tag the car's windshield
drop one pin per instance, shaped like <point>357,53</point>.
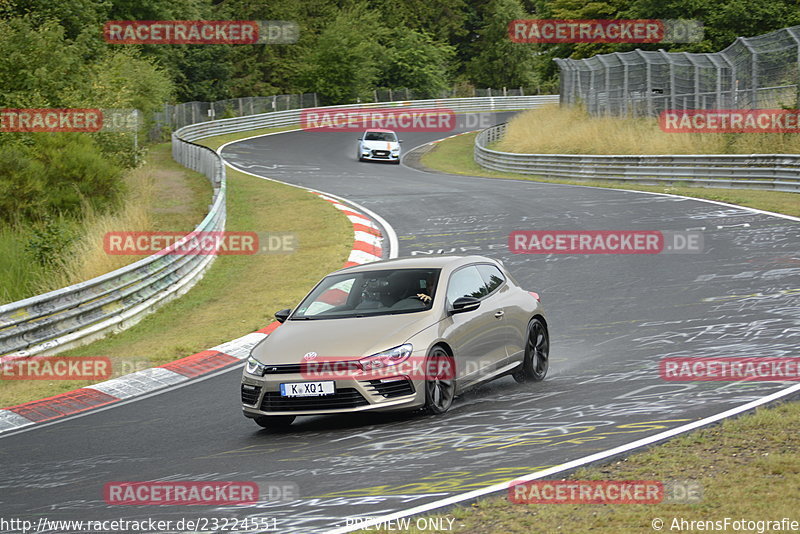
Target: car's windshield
<point>380,136</point>
<point>370,293</point>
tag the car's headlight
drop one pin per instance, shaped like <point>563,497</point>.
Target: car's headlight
<point>254,367</point>
<point>396,150</point>
<point>386,358</point>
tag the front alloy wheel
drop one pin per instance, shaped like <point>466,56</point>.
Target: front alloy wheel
<point>537,354</point>
<point>440,384</point>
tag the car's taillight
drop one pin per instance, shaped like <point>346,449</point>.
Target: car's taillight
<point>535,295</point>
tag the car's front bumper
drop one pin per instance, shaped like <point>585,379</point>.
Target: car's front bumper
<point>372,157</point>
<point>262,396</point>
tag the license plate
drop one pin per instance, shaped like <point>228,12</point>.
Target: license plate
<point>308,389</point>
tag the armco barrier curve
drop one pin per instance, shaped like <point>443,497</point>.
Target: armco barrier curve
<point>367,247</point>
<point>58,320</point>
<point>772,172</point>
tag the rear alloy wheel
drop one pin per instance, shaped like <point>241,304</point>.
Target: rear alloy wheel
<point>440,384</point>
<point>537,354</point>
<point>274,421</point>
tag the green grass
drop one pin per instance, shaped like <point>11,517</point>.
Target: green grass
<point>19,273</point>
<point>237,295</point>
<point>748,468</point>
<point>455,156</point>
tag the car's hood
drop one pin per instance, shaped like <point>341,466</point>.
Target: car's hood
<point>343,339</point>
<point>379,145</point>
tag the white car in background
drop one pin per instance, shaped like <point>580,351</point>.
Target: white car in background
<point>379,145</point>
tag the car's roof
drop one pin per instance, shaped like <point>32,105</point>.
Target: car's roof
<point>381,130</point>
<point>420,262</point>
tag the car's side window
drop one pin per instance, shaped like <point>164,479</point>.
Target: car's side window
<point>491,276</point>
<point>466,282</point>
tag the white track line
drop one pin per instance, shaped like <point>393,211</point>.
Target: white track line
<point>391,235</point>
<point>602,455</point>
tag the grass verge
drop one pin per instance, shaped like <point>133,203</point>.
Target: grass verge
<point>237,295</point>
<point>574,131</point>
<point>454,156</point>
<point>747,469</point>
<point>161,195</point>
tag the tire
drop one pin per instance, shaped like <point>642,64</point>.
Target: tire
<point>440,384</point>
<point>274,421</point>
<point>537,354</point>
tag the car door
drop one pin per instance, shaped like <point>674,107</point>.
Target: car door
<point>476,337</point>
<point>510,320</point>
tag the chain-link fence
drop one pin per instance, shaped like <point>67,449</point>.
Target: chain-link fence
<point>180,115</point>
<point>404,93</point>
<point>752,73</point>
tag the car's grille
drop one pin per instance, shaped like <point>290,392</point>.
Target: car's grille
<point>282,369</point>
<point>250,394</point>
<point>380,153</point>
<point>395,388</point>
<point>315,370</point>
<point>343,398</point>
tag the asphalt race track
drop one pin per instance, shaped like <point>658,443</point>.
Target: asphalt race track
<point>611,317</point>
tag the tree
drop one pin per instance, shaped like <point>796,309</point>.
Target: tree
<point>344,65</point>
<point>417,62</point>
<point>496,61</point>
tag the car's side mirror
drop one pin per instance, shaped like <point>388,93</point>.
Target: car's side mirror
<point>465,304</point>
<point>400,141</point>
<point>282,315</point>
<point>360,139</point>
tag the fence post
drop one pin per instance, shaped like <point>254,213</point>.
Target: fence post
<point>672,96</point>
<point>606,74</point>
<point>625,90</point>
<point>696,66</point>
<point>796,39</point>
<point>753,73</point>
<point>648,82</point>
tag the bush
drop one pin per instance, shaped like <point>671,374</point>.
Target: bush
<point>49,239</point>
<point>59,174</point>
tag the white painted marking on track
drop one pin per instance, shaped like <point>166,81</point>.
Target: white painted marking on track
<point>144,381</point>
<point>11,420</point>
<point>569,465</point>
<point>388,230</point>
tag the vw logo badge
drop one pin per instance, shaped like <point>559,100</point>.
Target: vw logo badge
<point>310,356</point>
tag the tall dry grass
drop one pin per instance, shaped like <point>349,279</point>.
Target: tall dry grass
<point>87,258</point>
<point>556,130</point>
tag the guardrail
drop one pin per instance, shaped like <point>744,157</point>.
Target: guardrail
<point>773,172</point>
<point>60,319</point>
<point>280,119</point>
<point>55,321</point>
